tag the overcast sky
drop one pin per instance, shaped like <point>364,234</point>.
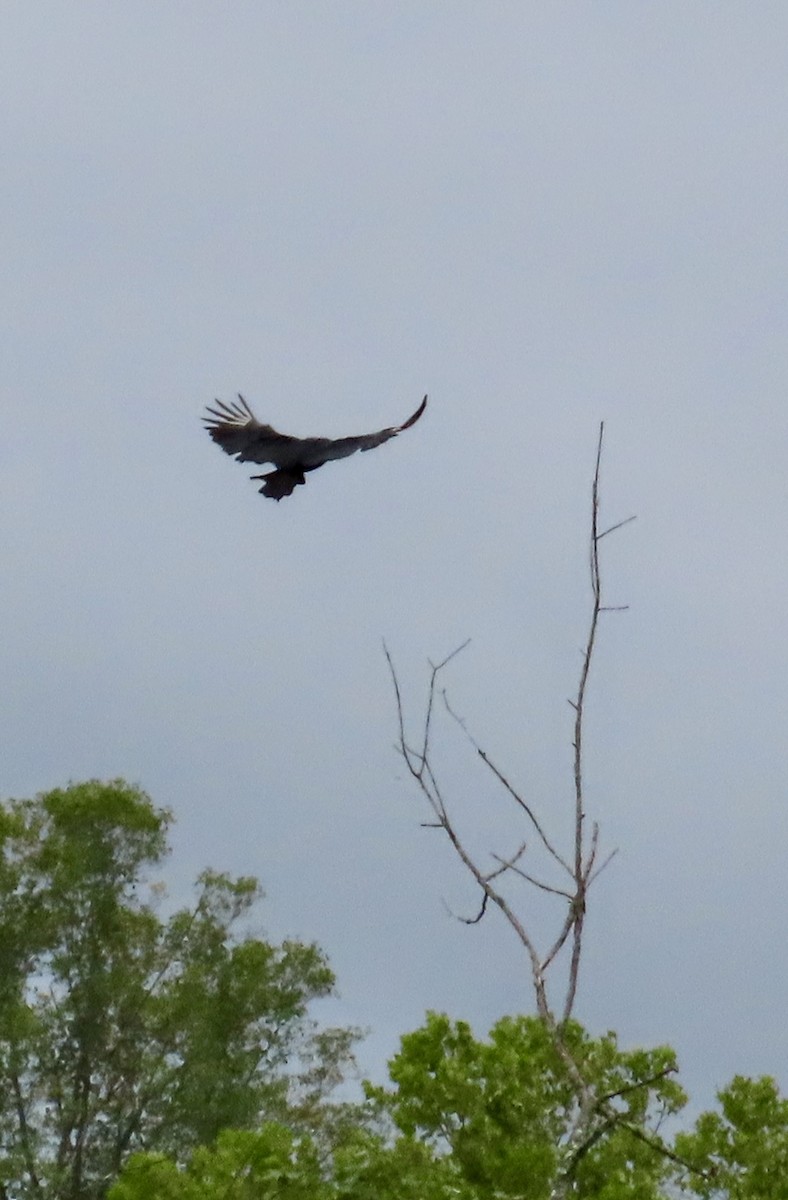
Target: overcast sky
<point>544,215</point>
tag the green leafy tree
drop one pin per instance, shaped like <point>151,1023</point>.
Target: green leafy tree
<point>120,1029</point>
<point>503,1109</point>
<point>743,1149</point>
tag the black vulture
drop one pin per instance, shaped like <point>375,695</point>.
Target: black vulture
<point>236,429</point>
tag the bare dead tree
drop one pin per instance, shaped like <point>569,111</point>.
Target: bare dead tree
<point>571,872</point>
<point>575,870</point>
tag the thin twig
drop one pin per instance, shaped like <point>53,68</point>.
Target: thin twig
<point>512,791</point>
<point>507,865</point>
<point>618,525</point>
<point>473,920</point>
<point>601,867</point>
<point>638,1086</point>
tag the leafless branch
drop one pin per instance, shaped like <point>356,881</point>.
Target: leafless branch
<point>512,792</point>
<point>436,669</point>
<point>636,1087</point>
<point>601,867</point>
<point>475,920</point>
<point>583,872</point>
<point>580,866</point>
<point>509,865</point>
<point>613,528</point>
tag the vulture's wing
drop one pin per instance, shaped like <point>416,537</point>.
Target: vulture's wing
<point>341,447</point>
<point>235,428</point>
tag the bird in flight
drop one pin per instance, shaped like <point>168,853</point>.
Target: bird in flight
<point>236,429</point>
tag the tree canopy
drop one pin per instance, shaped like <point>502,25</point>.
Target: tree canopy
<point>123,1029</point>
<point>471,1119</point>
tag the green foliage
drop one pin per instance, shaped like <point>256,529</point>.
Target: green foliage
<point>744,1148</point>
<point>370,1168</point>
<point>120,1029</point>
<point>505,1109</point>
<point>271,1163</point>
<point>493,1120</point>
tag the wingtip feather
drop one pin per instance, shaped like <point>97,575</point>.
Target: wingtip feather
<point>413,419</point>
<point>228,414</point>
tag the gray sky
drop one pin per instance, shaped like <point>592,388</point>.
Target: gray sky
<point>543,215</point>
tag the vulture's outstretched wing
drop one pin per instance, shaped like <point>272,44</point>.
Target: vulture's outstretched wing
<point>235,428</point>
